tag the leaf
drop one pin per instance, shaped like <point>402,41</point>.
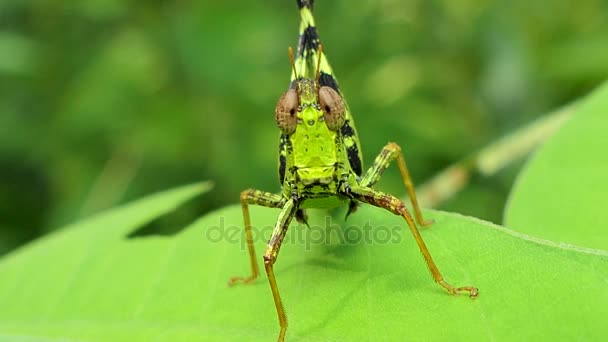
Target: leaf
<point>89,282</point>
<point>561,193</point>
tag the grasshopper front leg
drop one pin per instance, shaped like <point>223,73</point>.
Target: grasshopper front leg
<point>389,153</point>
<point>265,199</point>
<point>397,207</point>
<point>270,257</point>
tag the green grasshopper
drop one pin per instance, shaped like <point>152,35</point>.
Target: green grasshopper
<point>320,162</point>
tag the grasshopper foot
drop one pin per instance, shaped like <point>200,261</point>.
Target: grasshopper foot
<point>245,280</point>
<point>472,291</point>
<point>426,223</point>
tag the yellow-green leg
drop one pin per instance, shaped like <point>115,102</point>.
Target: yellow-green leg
<point>257,197</point>
<point>270,257</point>
<point>397,207</point>
<point>389,153</point>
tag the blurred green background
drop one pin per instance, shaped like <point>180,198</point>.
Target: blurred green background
<point>104,101</point>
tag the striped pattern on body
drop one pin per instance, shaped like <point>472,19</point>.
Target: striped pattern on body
<point>306,67</point>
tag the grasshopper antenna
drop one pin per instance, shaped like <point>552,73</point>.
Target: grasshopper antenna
<point>293,63</point>
<point>320,52</point>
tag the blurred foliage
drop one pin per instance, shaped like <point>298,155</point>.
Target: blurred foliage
<point>104,101</point>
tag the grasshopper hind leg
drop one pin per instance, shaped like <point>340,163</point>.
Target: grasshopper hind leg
<point>397,207</point>
<point>389,153</point>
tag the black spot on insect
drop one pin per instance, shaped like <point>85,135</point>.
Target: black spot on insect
<point>352,151</point>
<point>282,163</point>
<point>305,3</point>
<point>326,79</point>
<point>309,40</point>
<point>282,160</point>
<point>353,158</point>
<point>347,130</point>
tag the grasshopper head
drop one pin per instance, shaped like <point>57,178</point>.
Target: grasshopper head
<point>310,104</point>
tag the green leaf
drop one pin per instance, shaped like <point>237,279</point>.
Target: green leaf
<point>561,193</point>
<point>89,282</point>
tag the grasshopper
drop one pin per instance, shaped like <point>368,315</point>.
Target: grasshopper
<point>320,162</point>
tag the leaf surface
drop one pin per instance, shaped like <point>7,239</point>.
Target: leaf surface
<point>89,282</point>
<point>561,193</point>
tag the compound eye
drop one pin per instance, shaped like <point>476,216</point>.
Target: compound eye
<point>333,108</point>
<point>286,110</point>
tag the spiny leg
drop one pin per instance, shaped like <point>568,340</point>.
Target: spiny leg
<point>397,207</point>
<point>265,199</point>
<point>381,163</point>
<point>270,257</point>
